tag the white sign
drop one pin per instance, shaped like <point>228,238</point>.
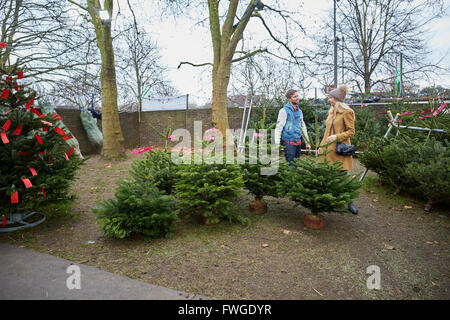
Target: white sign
<point>165,103</point>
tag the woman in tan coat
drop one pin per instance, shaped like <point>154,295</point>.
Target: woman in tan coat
<point>342,118</point>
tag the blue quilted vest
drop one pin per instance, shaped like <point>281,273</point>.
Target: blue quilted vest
<point>291,131</point>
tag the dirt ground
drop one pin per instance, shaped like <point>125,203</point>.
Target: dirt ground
<point>276,257</point>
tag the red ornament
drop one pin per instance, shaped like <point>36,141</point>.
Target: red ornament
<point>4,137</point>
<point>33,172</point>
<point>27,183</point>
<point>65,138</point>
<point>5,94</point>
<point>29,103</point>
<point>14,197</point>
<point>6,125</point>
<point>36,112</point>
<point>59,130</point>
<point>2,45</point>
<point>18,129</point>
<point>45,129</point>
<point>38,138</point>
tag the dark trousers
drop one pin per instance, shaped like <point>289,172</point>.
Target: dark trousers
<point>292,152</point>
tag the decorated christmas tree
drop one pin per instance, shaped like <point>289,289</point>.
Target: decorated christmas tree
<point>37,165</point>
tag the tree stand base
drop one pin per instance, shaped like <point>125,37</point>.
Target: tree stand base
<point>258,206</point>
<point>18,221</point>
<point>313,221</point>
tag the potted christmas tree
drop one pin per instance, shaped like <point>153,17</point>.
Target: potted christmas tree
<point>318,186</point>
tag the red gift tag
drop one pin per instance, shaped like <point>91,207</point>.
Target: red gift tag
<point>42,188</point>
<point>27,183</point>
<point>20,75</point>
<point>5,94</point>
<point>4,137</point>
<point>65,138</point>
<point>38,138</point>
<point>2,45</point>
<point>33,172</point>
<point>18,129</point>
<point>59,130</point>
<point>70,152</point>
<point>6,125</point>
<point>14,197</point>
<point>29,103</point>
<point>36,112</point>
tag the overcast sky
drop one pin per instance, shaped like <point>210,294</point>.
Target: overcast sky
<point>181,39</point>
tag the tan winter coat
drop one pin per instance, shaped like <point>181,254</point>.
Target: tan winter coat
<point>344,126</point>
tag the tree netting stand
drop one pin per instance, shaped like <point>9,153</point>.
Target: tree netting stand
<point>19,219</point>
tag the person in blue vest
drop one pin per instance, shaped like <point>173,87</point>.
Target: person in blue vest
<point>290,128</point>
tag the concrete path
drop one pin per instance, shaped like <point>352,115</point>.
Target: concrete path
<point>26,274</point>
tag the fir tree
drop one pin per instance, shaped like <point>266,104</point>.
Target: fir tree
<point>320,187</point>
<point>37,166</point>
<point>139,208</point>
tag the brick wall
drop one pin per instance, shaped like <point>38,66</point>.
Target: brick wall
<point>141,133</point>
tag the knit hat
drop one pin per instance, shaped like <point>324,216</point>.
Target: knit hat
<point>339,93</point>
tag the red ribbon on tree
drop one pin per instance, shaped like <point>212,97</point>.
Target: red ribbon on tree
<point>38,138</point>
<point>4,137</point>
<point>27,183</point>
<point>70,152</point>
<point>59,131</point>
<point>14,197</point>
<point>18,129</point>
<point>6,125</point>
<point>67,157</point>
<point>42,188</point>
<point>5,94</point>
<point>33,172</point>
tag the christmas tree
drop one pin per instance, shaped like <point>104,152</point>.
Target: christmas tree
<point>36,164</point>
<point>140,207</point>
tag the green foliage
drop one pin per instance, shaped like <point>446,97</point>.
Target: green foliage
<point>417,167</point>
<point>55,173</point>
<point>209,190</point>
<point>318,186</point>
<point>158,167</point>
<point>367,127</point>
<point>139,207</point>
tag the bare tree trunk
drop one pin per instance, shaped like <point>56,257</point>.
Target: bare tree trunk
<point>219,103</point>
<point>112,133</point>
